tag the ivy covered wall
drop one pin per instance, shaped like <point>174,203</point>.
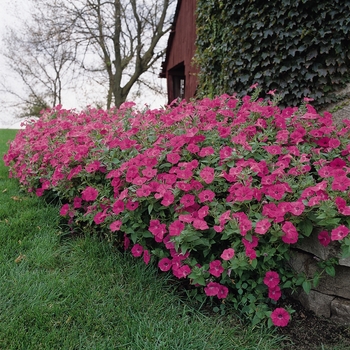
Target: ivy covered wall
<point>298,47</point>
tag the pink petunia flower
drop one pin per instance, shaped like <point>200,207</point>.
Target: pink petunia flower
<point>176,227</point>
<point>200,224</point>
<point>144,191</point>
<point>275,293</point>
<point>225,152</point>
<point>262,226</point>
<point>132,205</point>
<point>187,200</point>
<point>212,289</point>
<point>157,229</point>
<point>146,256</point>
<point>64,209</point>
<point>271,279</point>
<point>206,196</point>
<point>115,225</point>
<point>99,218</point>
<point>324,238</point>
<point>290,233</point>
<point>280,317</point>
<point>137,250</point>
<point>215,268</point>
<point>89,194</point>
<point>165,264</point>
<point>250,253</point>
<point>181,272</point>
<point>337,163</point>
<point>118,207</point>
<point>168,198</point>
<point>274,149</point>
<point>93,166</point>
<point>173,158</point>
<point>77,202</point>
<point>339,233</point>
<point>206,151</point>
<point>222,293</point>
<point>296,208</point>
<point>203,212</point>
<point>207,174</point>
<point>227,254</point>
<point>276,191</point>
<point>126,242</point>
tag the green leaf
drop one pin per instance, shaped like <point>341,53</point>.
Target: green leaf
<point>306,286</point>
<point>306,227</point>
<point>330,270</point>
<point>254,263</point>
<point>316,280</point>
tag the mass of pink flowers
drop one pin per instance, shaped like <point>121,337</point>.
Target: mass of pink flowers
<point>214,191</point>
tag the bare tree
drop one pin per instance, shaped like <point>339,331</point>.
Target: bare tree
<point>44,61</point>
<point>111,43</point>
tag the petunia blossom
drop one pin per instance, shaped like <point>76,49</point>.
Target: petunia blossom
<point>89,194</point>
<point>215,268</point>
<point>290,233</point>
<point>262,226</point>
<point>339,233</point>
<point>212,289</point>
<point>275,293</point>
<point>223,292</point>
<point>146,256</point>
<point>165,264</point>
<point>207,175</point>
<point>206,196</point>
<point>280,317</point>
<point>64,209</point>
<point>271,279</point>
<point>176,227</point>
<point>137,250</point>
<point>182,271</point>
<point>115,225</point>
<point>227,254</point>
<point>324,238</point>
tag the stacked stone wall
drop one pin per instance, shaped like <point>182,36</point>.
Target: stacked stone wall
<point>331,297</point>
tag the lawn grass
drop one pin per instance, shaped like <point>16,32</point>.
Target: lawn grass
<point>62,292</point>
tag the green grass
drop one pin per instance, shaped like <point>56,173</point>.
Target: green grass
<point>62,292</point>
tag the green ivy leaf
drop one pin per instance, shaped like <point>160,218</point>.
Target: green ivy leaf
<point>306,286</point>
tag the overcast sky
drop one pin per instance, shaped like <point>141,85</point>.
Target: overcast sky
<point>7,119</point>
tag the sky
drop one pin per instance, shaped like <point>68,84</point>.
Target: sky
<point>7,117</point>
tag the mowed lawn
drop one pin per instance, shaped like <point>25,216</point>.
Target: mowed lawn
<point>64,292</point>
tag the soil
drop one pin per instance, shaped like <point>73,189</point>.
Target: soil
<point>309,332</point>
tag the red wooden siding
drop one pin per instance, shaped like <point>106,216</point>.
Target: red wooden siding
<point>178,67</point>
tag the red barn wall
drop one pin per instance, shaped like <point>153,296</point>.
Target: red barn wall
<point>181,49</point>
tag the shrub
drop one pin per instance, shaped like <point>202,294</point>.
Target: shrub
<point>215,191</point>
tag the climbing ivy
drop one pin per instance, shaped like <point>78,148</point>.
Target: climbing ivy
<point>298,47</point>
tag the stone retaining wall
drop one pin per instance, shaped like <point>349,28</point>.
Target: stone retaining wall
<point>331,298</point>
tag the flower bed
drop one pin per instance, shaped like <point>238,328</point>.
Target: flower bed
<point>214,191</point>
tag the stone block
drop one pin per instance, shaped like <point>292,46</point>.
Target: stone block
<point>337,286</point>
<point>317,302</point>
<point>344,262</point>
<point>312,245</point>
<point>340,310</point>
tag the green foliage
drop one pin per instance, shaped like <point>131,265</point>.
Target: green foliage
<point>300,48</point>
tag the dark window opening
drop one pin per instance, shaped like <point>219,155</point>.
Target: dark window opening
<point>178,81</point>
<point>179,86</point>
